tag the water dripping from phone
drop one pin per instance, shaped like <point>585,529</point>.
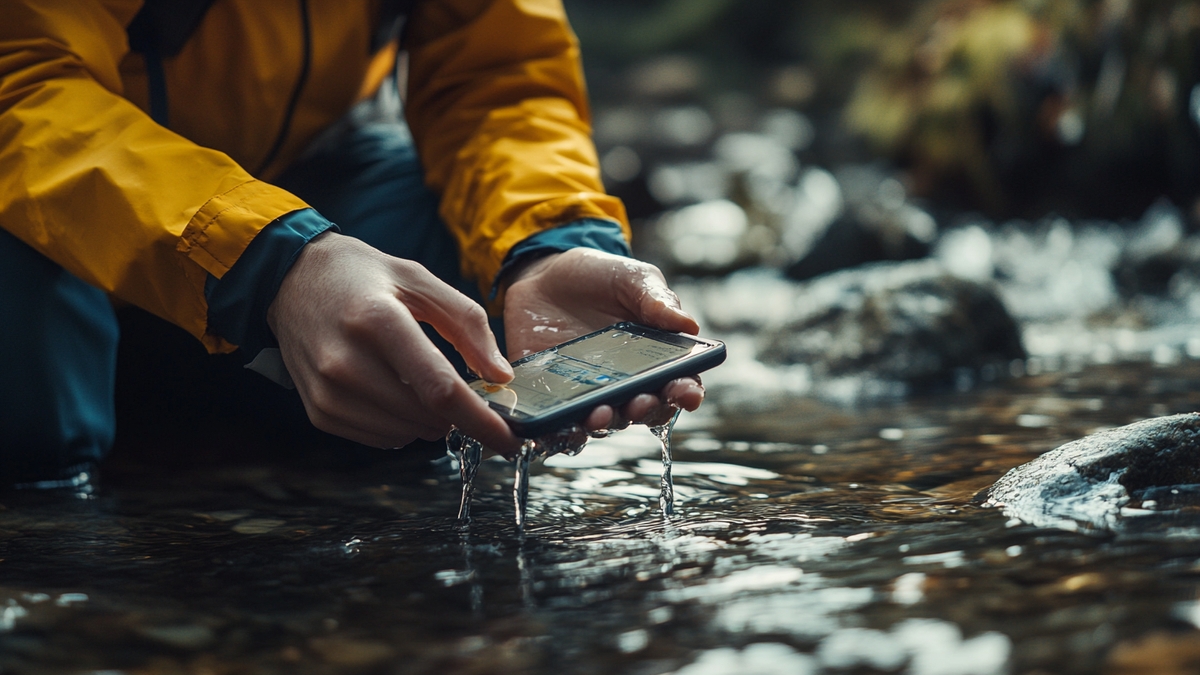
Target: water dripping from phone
<point>666,495</point>
<point>468,452</point>
<point>570,441</point>
<point>521,484</point>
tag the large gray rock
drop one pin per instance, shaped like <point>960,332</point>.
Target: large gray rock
<point>1111,480</point>
<point>911,322</point>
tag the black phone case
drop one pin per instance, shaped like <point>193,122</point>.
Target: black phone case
<point>649,382</point>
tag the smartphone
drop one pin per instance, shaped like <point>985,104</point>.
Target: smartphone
<point>561,385</point>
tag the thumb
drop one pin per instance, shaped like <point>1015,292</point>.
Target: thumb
<point>460,320</point>
<point>657,306</point>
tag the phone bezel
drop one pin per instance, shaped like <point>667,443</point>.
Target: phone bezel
<point>652,380</point>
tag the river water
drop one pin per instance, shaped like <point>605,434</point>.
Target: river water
<point>808,537</point>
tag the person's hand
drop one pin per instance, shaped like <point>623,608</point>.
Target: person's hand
<point>346,317</point>
<point>565,295</point>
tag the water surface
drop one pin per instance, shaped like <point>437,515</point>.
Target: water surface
<point>808,537</point>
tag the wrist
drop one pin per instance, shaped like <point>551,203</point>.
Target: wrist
<point>528,266</point>
<point>238,302</point>
<point>309,254</point>
<point>589,233</point>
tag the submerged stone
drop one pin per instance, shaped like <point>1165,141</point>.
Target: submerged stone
<point>1103,480</point>
<point>911,322</point>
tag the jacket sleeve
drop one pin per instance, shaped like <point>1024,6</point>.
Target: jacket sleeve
<point>94,184</point>
<point>499,113</point>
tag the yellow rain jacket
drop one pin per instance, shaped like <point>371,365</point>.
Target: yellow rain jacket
<point>495,101</point>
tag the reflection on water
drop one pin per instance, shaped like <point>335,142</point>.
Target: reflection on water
<point>808,538</point>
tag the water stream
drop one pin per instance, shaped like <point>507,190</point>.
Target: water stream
<point>468,453</point>
<point>809,538</point>
<point>666,495</point>
<point>521,483</point>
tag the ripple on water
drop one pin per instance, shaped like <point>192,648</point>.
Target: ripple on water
<point>803,542</point>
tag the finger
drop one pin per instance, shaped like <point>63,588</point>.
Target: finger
<point>642,407</point>
<point>619,419</point>
<point>685,393</point>
<point>649,298</point>
<point>459,319</point>
<point>361,391</point>
<point>392,439</point>
<point>341,413</point>
<point>439,388</point>
<point>395,420</point>
<point>600,417</point>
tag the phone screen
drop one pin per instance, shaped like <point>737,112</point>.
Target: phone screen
<point>558,375</point>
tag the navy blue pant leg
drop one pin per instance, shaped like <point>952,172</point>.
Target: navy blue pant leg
<point>59,341</point>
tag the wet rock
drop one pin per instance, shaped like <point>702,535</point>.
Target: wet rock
<point>851,241</point>
<point>1156,251</point>
<point>688,182</point>
<point>910,322</point>
<point>1104,480</point>
<point>817,203</point>
<point>877,223</point>
<point>791,129</point>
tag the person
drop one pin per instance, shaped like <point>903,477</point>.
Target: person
<point>191,158</point>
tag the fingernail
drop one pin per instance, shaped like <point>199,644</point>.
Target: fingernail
<point>499,360</point>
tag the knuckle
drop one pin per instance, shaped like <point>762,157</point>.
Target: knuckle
<point>439,393</point>
<point>362,316</point>
<point>333,366</point>
<point>475,313</point>
<point>408,267</point>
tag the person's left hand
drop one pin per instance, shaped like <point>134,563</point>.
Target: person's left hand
<point>565,295</point>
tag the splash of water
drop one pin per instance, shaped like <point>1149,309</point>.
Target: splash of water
<point>666,495</point>
<point>570,441</point>
<point>521,483</point>
<point>468,452</point>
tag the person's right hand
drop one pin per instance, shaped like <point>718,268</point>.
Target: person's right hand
<point>346,317</point>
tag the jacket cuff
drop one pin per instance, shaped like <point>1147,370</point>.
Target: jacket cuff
<point>602,235</point>
<point>238,301</point>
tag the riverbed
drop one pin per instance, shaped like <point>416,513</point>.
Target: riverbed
<point>809,537</point>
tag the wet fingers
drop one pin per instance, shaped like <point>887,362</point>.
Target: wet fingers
<point>685,393</point>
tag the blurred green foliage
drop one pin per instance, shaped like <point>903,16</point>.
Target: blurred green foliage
<point>1008,100</point>
<point>1014,107</point>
